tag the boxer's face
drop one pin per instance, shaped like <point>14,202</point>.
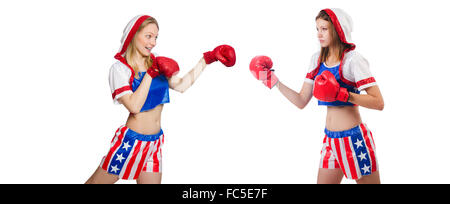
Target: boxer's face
<point>146,39</point>
<point>324,32</point>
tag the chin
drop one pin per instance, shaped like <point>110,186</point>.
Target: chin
<point>323,45</point>
<point>146,53</point>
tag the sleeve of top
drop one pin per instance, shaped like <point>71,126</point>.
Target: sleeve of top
<point>360,68</point>
<point>312,68</point>
<point>119,77</point>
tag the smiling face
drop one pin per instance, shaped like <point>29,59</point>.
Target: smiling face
<point>324,32</point>
<point>145,39</point>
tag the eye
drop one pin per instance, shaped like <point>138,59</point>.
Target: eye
<point>148,36</point>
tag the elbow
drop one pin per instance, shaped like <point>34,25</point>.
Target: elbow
<point>134,110</point>
<point>380,106</point>
<point>180,90</point>
<point>301,107</point>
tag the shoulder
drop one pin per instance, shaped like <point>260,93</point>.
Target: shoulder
<point>354,57</point>
<point>314,61</point>
<point>312,69</point>
<point>315,56</point>
<point>119,68</point>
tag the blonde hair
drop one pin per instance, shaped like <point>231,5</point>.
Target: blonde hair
<point>130,54</point>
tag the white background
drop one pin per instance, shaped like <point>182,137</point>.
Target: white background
<point>57,115</point>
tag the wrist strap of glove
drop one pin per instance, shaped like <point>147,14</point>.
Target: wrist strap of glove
<point>209,57</point>
<point>342,95</point>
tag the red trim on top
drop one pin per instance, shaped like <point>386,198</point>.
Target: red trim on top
<point>124,61</point>
<point>311,75</point>
<point>365,81</point>
<point>130,36</point>
<point>120,90</point>
<point>341,35</point>
<point>132,33</point>
<point>338,27</point>
<point>348,82</point>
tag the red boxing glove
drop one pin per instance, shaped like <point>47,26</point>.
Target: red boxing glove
<point>223,53</point>
<point>326,88</point>
<point>168,67</point>
<point>260,68</point>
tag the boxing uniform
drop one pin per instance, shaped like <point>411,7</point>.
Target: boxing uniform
<point>353,150</point>
<point>132,153</point>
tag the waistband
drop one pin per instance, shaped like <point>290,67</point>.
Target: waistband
<point>138,136</point>
<point>345,133</point>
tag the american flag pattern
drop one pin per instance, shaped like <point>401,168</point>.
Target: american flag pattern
<point>351,150</point>
<point>131,153</point>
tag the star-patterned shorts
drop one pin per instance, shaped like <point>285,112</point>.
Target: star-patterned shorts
<point>131,153</point>
<point>352,150</point>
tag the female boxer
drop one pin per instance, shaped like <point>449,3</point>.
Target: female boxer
<point>140,81</point>
<point>336,77</point>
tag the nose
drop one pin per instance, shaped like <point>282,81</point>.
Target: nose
<point>153,42</point>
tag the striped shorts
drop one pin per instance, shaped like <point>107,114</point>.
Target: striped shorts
<point>131,153</point>
<point>353,151</point>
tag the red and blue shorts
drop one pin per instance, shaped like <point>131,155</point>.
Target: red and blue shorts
<point>353,151</point>
<point>132,153</point>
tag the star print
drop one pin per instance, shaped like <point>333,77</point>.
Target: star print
<point>358,143</point>
<point>366,168</point>
<point>114,169</point>
<point>362,156</point>
<point>120,157</point>
<point>126,146</point>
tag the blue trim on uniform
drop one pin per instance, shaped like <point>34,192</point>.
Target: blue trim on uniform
<point>345,133</point>
<point>124,152</point>
<point>335,71</point>
<point>146,138</point>
<point>362,154</point>
<point>157,94</point>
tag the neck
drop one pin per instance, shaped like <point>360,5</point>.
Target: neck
<point>139,59</point>
<point>333,52</point>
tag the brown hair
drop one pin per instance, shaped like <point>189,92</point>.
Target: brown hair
<point>130,54</point>
<point>335,42</point>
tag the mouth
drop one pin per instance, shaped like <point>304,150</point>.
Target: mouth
<point>149,48</point>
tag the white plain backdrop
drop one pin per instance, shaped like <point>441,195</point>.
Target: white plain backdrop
<point>58,117</point>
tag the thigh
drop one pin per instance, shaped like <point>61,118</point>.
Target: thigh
<point>100,176</point>
<point>373,178</point>
<point>149,178</point>
<point>329,176</point>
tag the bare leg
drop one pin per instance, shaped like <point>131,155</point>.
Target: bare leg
<point>373,178</point>
<point>149,178</point>
<point>100,176</point>
<point>329,176</point>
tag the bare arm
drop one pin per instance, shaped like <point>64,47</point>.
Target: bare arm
<point>372,99</point>
<point>134,102</point>
<point>182,84</point>
<point>298,99</point>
